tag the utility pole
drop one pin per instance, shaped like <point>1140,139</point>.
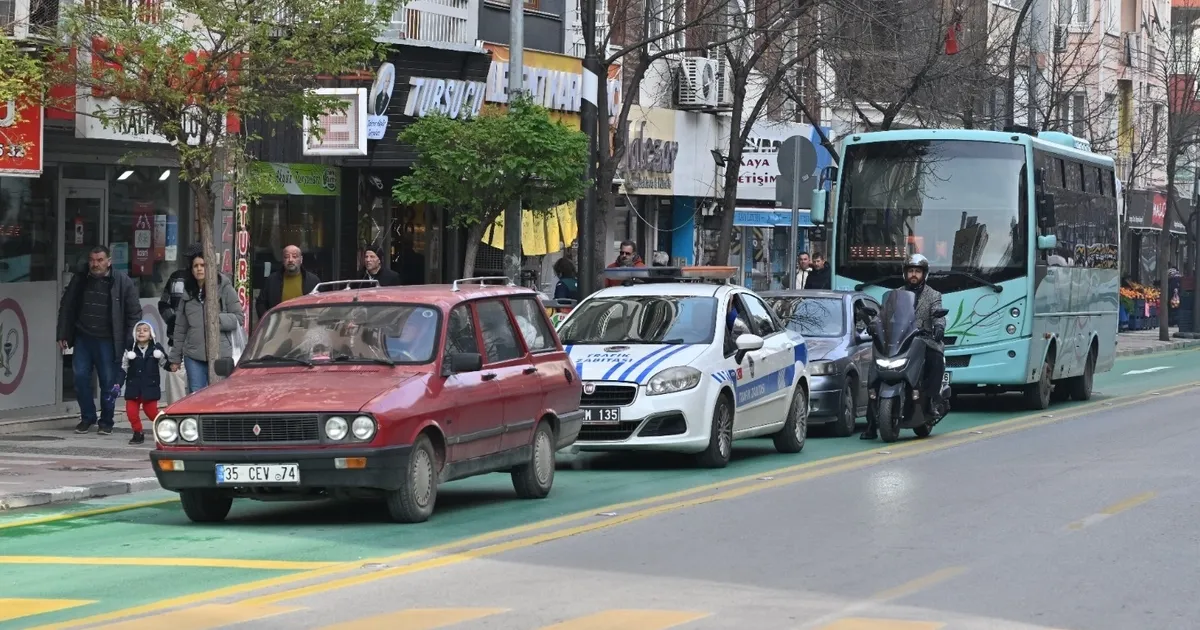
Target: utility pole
<point>516,75</point>
<point>589,123</point>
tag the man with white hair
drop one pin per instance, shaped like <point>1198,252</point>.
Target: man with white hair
<point>288,283</point>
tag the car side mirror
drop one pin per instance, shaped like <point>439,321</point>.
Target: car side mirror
<point>747,343</point>
<point>1047,242</point>
<point>941,312</point>
<point>816,213</point>
<point>224,367</point>
<point>462,362</point>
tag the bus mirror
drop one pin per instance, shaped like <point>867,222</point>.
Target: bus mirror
<point>1045,210</point>
<point>1047,242</point>
<point>817,212</point>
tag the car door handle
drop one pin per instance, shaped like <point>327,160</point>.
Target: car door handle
<point>489,376</point>
<point>529,370</point>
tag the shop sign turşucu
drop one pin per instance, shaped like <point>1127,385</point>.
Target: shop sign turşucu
<point>648,163</point>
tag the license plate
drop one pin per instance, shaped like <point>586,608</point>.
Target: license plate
<point>239,474</point>
<point>945,378</point>
<point>601,416</point>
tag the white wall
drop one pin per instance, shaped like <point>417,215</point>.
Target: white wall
<point>28,350</point>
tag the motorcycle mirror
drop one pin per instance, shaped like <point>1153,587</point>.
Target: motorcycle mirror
<point>941,312</point>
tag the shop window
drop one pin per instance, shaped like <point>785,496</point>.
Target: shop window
<point>27,229</point>
<point>143,226</point>
<point>408,243</point>
<point>306,221</point>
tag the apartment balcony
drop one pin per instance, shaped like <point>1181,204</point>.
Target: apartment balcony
<point>451,24</point>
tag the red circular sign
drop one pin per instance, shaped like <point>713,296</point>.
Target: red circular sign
<point>8,339</point>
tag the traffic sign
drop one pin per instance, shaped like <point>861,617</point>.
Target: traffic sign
<point>797,161</point>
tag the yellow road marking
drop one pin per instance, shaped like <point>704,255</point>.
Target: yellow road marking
<point>201,617</point>
<point>1112,510</point>
<point>16,608</point>
<point>417,619</point>
<point>919,584</point>
<point>863,623</point>
<point>54,518</point>
<point>221,563</point>
<point>824,467</point>
<point>630,620</point>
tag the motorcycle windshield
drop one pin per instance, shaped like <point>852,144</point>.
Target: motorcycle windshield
<point>898,318</point>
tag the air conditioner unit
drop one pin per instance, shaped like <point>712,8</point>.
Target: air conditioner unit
<point>14,19</point>
<point>697,83</point>
<point>724,84</point>
<point>1061,38</point>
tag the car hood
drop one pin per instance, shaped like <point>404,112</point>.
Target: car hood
<point>294,390</point>
<point>820,348</point>
<point>630,363</point>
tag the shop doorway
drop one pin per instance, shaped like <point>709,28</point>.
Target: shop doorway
<point>83,218</point>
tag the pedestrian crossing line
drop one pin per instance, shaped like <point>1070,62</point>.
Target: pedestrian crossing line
<point>865,623</point>
<point>202,617</point>
<point>417,619</point>
<point>15,608</point>
<point>630,620</point>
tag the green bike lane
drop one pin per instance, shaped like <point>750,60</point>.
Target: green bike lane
<point>75,566</point>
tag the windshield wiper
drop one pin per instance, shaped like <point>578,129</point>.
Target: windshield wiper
<point>970,276</point>
<point>270,358</point>
<point>862,285</point>
<point>345,358</point>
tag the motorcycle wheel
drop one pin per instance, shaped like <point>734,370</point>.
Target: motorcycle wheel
<point>887,419</point>
<point>925,430</point>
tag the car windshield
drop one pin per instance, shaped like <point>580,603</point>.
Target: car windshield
<point>350,333</point>
<point>961,204</point>
<point>641,319</point>
<point>809,316</point>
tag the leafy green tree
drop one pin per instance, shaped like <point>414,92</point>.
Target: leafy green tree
<point>476,168</point>
<point>20,82</point>
<point>182,70</point>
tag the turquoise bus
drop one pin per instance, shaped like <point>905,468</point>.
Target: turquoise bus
<point>1022,235</point>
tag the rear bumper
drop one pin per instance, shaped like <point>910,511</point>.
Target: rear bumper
<point>384,467</point>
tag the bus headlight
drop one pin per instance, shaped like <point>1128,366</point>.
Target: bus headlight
<point>1011,329</point>
<point>676,379</point>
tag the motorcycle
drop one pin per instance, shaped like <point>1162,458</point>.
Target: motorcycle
<point>897,369</point>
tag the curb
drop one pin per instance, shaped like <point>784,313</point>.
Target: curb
<point>1166,346</point>
<point>72,494</point>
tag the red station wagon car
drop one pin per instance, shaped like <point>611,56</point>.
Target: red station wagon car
<point>377,392</point>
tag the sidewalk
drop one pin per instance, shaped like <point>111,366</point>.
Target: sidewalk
<point>45,462</point>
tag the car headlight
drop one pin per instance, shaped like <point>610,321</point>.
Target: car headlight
<point>189,430</point>
<point>822,368</point>
<point>166,430</point>
<point>676,379</point>
<point>892,364</point>
<point>363,428</point>
<point>335,428</point>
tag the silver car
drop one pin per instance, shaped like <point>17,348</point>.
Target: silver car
<point>839,352</point>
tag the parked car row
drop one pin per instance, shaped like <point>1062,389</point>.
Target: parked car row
<point>365,392</point>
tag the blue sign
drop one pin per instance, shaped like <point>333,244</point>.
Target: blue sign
<point>765,217</point>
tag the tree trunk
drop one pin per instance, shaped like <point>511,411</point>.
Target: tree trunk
<point>471,251</point>
<point>733,164</point>
<point>600,247</point>
<point>1164,292</point>
<point>212,296</point>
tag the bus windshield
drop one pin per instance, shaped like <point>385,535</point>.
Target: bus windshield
<point>960,203</point>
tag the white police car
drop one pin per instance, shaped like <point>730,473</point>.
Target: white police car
<point>685,366</point>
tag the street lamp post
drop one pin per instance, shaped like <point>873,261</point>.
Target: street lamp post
<point>589,122</point>
<point>516,71</point>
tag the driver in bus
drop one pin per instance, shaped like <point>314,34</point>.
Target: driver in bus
<point>928,299</point>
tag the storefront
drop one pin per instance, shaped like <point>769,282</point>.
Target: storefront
<point>1145,215</point>
<point>93,186</point>
<point>646,183</point>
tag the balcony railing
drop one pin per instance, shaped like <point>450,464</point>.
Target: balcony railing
<point>434,22</point>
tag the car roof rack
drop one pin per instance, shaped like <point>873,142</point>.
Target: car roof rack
<point>483,280</point>
<point>647,275</point>
<point>344,285</point>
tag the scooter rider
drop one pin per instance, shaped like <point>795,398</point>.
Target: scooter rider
<point>928,300</point>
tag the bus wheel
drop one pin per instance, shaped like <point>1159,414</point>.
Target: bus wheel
<point>1080,387</point>
<point>1037,395</point>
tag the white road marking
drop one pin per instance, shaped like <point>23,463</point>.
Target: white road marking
<point>1148,370</point>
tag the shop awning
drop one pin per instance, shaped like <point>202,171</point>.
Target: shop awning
<point>769,217</point>
<point>541,234</point>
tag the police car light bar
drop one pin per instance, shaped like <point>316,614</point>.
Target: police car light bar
<point>672,274</point>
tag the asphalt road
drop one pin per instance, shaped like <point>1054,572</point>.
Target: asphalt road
<point>1080,518</point>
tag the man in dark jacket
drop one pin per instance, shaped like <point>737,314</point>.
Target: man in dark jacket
<point>96,317</point>
<point>373,269</point>
<point>290,282</point>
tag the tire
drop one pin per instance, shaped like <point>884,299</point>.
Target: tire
<point>791,437</point>
<point>205,506</point>
<point>847,422</point>
<point>1037,395</point>
<point>1080,387</point>
<point>535,479</point>
<point>925,430</point>
<point>720,440</point>
<point>887,419</point>
<point>413,502</point>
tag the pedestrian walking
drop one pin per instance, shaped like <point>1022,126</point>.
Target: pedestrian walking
<point>188,345</point>
<point>373,269</point>
<point>96,317</point>
<point>288,283</point>
<point>142,366</point>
